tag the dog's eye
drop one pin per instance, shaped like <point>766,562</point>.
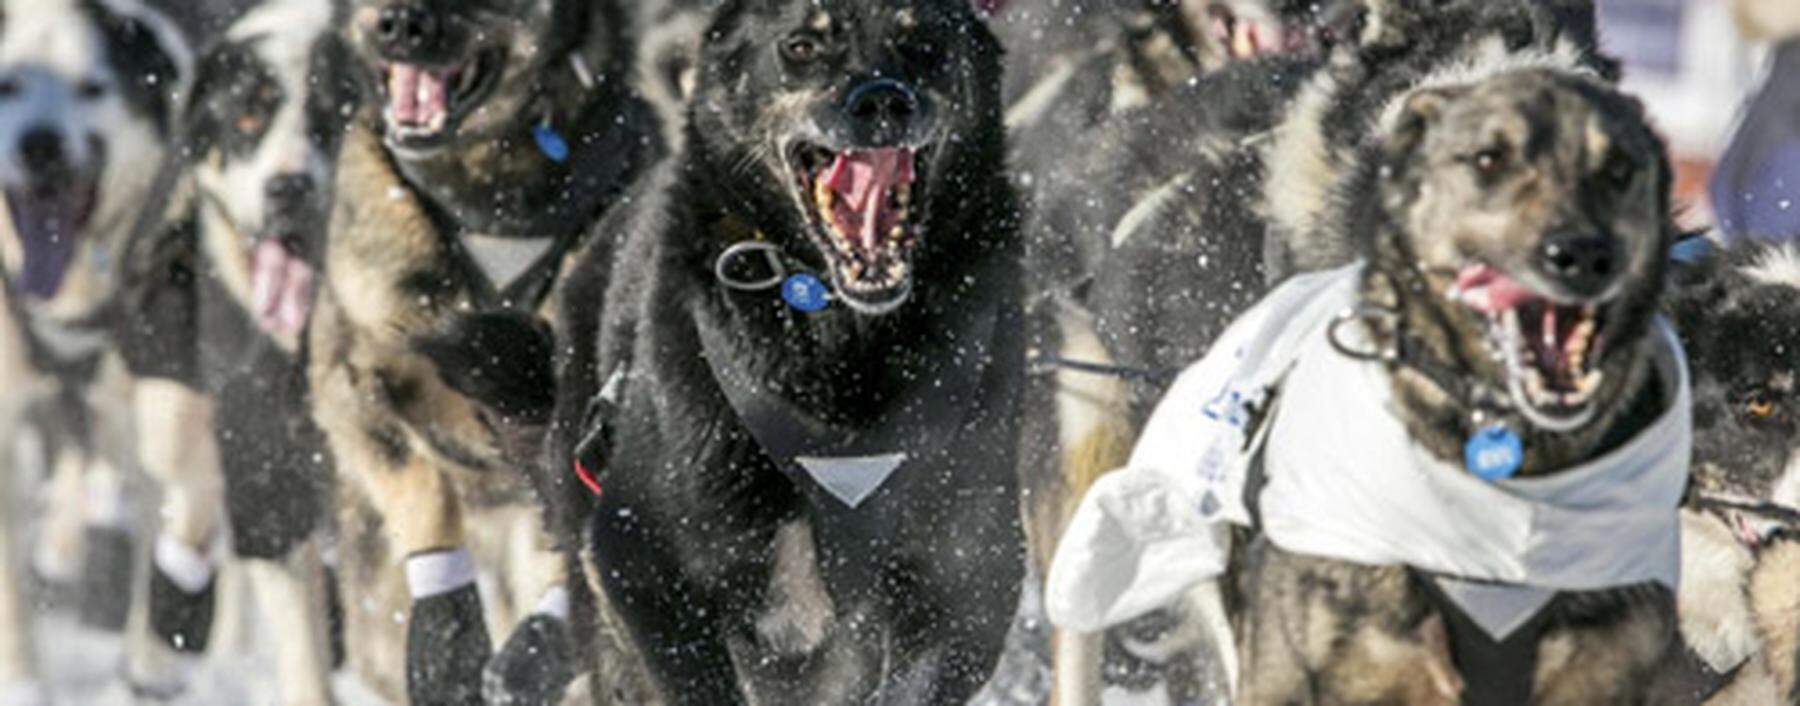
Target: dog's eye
<point>249,123</point>
<point>1489,161</point>
<point>90,89</point>
<point>800,48</point>
<point>9,87</point>
<point>1759,406</point>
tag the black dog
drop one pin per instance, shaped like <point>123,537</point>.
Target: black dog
<point>750,536</point>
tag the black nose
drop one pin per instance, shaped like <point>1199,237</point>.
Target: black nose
<point>288,191</point>
<point>1585,264</point>
<point>41,150</point>
<point>883,105</point>
<point>406,28</point>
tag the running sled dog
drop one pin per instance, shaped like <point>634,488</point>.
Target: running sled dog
<point>248,200</point>
<point>492,135</point>
<point>793,382</point>
<point>1462,454</point>
<point>88,92</point>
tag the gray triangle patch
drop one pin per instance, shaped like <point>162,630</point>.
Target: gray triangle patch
<point>851,479</point>
<point>503,260</point>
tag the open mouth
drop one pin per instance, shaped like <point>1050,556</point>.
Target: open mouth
<point>859,204</point>
<point>1551,351</point>
<point>281,287</point>
<point>49,220</point>
<point>424,103</point>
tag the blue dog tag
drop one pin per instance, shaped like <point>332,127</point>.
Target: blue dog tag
<point>551,143</point>
<point>805,292</point>
<point>1494,454</point>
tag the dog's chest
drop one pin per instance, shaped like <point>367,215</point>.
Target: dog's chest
<point>503,261</point>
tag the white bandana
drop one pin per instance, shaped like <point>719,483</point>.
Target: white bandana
<point>1346,481</point>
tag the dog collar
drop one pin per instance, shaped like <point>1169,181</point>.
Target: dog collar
<point>803,291</point>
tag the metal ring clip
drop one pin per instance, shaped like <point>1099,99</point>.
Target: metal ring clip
<point>731,254</point>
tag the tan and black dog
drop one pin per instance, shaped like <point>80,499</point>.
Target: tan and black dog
<point>492,135</point>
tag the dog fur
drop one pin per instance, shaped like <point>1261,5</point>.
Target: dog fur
<point>259,136</point>
<point>92,85</point>
<point>403,260</point>
<point>1738,615</point>
<point>1310,626</point>
<point>699,540</point>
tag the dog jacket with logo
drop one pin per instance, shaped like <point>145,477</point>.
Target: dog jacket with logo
<point>1345,481</point>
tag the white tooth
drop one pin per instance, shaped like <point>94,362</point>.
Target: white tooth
<point>1590,382</point>
<point>895,234</point>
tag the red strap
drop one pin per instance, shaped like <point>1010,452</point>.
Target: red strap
<point>587,478</point>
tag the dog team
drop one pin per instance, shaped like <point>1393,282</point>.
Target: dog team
<point>917,351</point>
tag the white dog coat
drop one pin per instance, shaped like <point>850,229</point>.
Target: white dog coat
<point>1346,481</point>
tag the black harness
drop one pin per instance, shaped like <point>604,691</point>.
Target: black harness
<point>851,463</point>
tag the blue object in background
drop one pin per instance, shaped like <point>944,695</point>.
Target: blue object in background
<point>1756,187</point>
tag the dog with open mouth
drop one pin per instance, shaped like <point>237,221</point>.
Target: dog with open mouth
<point>785,411</point>
<point>258,134</point>
<point>1463,455</point>
<point>1740,616</point>
<point>490,136</point>
<point>87,99</point>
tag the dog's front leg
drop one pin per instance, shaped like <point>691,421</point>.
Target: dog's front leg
<point>18,668</point>
<point>447,641</point>
<point>1608,648</point>
<point>671,620</point>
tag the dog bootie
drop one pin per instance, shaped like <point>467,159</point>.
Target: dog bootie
<point>533,667</point>
<point>105,591</point>
<point>181,619</point>
<point>446,648</point>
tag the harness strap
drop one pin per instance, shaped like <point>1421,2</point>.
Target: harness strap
<point>1494,672</point>
<point>851,462</point>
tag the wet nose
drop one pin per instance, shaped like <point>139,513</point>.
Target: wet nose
<point>1585,264</point>
<point>41,150</point>
<point>406,28</point>
<point>883,106</point>
<point>288,191</point>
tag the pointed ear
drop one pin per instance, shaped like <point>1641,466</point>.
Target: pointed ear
<point>153,59</point>
<point>1412,120</point>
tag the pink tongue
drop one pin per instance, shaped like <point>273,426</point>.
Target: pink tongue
<point>1486,290</point>
<point>281,288</point>
<point>863,179</point>
<point>410,104</point>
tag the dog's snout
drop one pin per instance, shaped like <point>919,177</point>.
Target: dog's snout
<point>41,150</point>
<point>1584,263</point>
<point>883,108</point>
<point>406,28</point>
<point>288,191</point>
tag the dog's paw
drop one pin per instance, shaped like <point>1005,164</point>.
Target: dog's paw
<point>503,360</point>
<point>533,668</point>
<point>181,619</point>
<point>446,646</point>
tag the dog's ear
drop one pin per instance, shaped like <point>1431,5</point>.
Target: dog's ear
<point>152,58</point>
<point>1410,123</point>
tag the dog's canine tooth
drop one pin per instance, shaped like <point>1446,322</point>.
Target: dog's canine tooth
<point>824,196</point>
